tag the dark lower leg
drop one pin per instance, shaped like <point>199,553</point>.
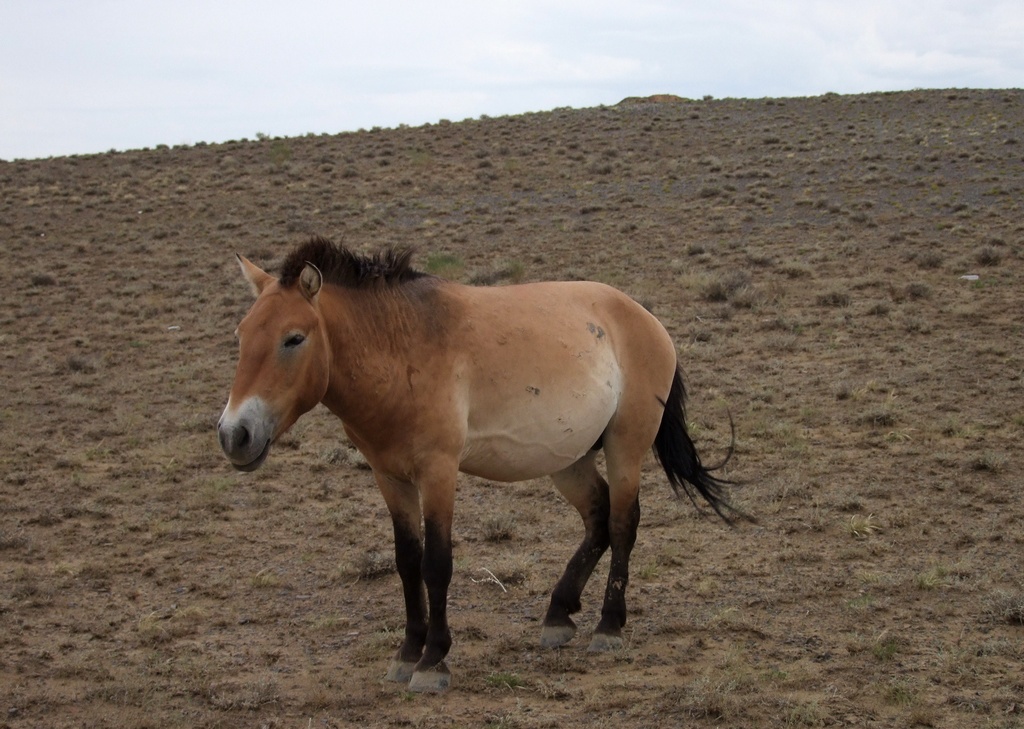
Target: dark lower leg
<point>623,537</point>
<point>437,574</point>
<point>409,560</point>
<point>565,598</point>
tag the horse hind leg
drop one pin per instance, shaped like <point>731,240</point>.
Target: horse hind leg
<point>584,488</point>
<point>623,457</point>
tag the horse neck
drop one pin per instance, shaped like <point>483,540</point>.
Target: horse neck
<point>373,334</point>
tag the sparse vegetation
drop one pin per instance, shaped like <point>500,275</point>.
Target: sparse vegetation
<point>499,527</point>
<point>1006,606</point>
<point>862,526</point>
<point>505,680</point>
<point>445,265</point>
<point>835,298</point>
<point>806,261</point>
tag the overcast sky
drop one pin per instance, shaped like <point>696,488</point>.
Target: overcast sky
<point>81,76</point>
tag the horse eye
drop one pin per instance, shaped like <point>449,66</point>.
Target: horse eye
<point>294,341</point>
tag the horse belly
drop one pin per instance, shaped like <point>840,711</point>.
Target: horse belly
<point>539,434</point>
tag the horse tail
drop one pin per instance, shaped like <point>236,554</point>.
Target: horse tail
<point>678,456</point>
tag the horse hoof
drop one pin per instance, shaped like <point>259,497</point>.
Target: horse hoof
<point>553,636</point>
<point>432,681</point>
<point>400,671</point>
<point>603,643</point>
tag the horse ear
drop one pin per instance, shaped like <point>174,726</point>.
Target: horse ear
<point>310,280</point>
<point>256,276</point>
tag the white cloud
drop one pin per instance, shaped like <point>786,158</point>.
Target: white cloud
<point>77,77</point>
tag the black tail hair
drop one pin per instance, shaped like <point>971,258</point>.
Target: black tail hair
<point>678,456</point>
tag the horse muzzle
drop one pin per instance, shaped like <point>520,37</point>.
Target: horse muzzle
<point>246,433</point>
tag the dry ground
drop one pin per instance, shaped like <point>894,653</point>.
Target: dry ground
<point>806,254</point>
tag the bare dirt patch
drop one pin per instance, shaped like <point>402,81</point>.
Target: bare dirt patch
<point>806,254</point>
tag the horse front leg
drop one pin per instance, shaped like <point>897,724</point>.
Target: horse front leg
<point>404,504</point>
<point>431,673</point>
<point>437,487</point>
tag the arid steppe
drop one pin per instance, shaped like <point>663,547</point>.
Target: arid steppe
<point>843,277</point>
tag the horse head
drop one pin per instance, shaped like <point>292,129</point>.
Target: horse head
<point>283,364</point>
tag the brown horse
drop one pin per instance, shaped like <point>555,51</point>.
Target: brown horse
<point>431,378</point>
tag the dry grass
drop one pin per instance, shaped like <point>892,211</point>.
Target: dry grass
<point>1005,606</point>
<point>806,260</point>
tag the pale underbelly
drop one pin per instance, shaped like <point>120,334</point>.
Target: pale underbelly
<point>502,458</point>
<point>534,444</point>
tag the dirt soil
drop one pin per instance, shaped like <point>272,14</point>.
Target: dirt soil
<point>844,275</point>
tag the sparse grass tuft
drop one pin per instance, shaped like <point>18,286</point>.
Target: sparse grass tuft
<point>505,680</point>
<point>1005,607</point>
<point>11,540</point>
<point>374,564</point>
<point>989,462</point>
<point>901,692</point>
<point>499,527</point>
<point>159,627</point>
<point>882,415</point>
<point>932,578</point>
<point>266,578</point>
<point>861,526</point>
<point>918,290</point>
<point>248,695</point>
<point>806,714</point>
<point>445,265</point>
<point>886,647</point>
<point>712,698</point>
<point>725,287</point>
<point>835,298</point>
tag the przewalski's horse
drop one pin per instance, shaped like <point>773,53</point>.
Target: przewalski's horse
<point>431,378</point>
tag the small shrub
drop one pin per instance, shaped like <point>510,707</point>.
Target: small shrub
<point>445,265</point>
<point>723,288</point>
<point>43,279</point>
<point>1005,607</point>
<point>78,363</point>
<point>919,290</point>
<point>279,153</point>
<point>991,462</point>
<point>374,564</point>
<point>835,298</point>
<point>797,270</point>
<point>886,648</point>
<point>499,528</point>
<point>988,256</point>
<point>901,692</point>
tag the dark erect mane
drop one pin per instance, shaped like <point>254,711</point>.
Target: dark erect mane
<point>340,266</point>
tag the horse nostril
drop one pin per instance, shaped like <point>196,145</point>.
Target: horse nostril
<point>234,438</point>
